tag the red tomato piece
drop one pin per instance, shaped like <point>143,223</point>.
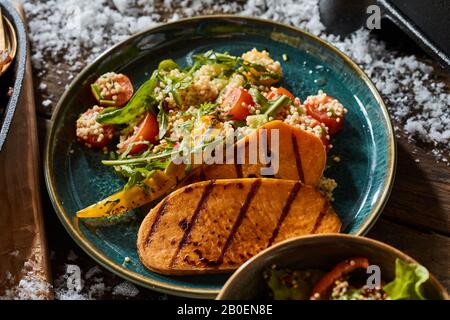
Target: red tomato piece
<point>237,103</point>
<point>120,88</point>
<point>324,285</point>
<point>147,130</point>
<point>280,92</point>
<point>333,122</point>
<point>92,133</point>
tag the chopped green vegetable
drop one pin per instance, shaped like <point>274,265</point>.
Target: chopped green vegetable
<point>268,108</point>
<point>276,105</point>
<point>259,98</point>
<point>96,92</point>
<point>408,281</point>
<point>257,120</point>
<point>110,103</point>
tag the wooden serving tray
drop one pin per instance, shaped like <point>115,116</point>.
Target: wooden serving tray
<point>23,249</point>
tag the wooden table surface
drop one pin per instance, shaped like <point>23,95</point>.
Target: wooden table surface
<point>416,218</point>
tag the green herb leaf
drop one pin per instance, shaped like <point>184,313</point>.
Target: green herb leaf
<point>167,65</point>
<point>163,121</point>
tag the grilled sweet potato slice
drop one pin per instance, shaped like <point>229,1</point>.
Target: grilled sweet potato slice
<point>215,226</point>
<point>302,156</point>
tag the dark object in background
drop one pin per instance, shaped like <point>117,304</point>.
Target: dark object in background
<point>14,76</point>
<point>427,22</point>
<point>342,17</point>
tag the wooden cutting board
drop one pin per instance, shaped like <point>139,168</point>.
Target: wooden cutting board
<point>23,249</point>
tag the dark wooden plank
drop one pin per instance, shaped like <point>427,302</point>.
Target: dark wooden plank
<point>430,249</point>
<point>421,193</point>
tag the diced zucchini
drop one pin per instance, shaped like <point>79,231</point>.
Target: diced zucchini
<point>257,120</point>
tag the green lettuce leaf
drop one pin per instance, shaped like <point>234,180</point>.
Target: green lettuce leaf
<point>409,278</point>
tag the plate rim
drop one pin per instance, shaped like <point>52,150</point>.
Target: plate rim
<point>162,286</point>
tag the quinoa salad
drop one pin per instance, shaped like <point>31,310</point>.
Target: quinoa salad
<point>219,95</point>
<point>347,280</point>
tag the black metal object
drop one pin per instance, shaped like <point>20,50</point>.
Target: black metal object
<point>427,22</point>
<point>14,76</point>
<point>342,17</point>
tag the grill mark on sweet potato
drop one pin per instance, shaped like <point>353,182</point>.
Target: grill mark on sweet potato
<point>242,212</point>
<point>298,159</point>
<point>190,225</point>
<point>284,212</point>
<point>320,217</point>
<point>155,224</point>
<point>237,166</point>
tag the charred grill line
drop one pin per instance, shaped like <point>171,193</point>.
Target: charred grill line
<point>192,222</point>
<point>285,211</point>
<point>242,212</point>
<point>322,214</point>
<point>155,224</point>
<point>298,160</point>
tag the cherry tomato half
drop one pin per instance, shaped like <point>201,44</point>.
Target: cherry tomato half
<point>237,101</point>
<point>119,82</point>
<point>147,130</point>
<point>92,133</point>
<point>324,285</point>
<point>333,122</point>
<point>280,92</point>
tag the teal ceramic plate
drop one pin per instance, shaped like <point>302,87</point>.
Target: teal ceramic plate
<point>75,178</point>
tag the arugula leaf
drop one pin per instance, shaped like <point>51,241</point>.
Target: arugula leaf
<point>167,65</point>
<point>141,102</point>
<point>212,57</point>
<point>409,278</point>
<point>237,64</point>
<point>163,121</point>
